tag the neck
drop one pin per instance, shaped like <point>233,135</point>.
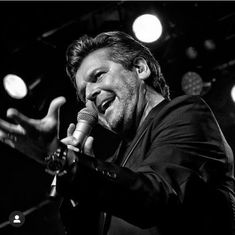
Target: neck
<point>147,101</point>
<point>152,98</point>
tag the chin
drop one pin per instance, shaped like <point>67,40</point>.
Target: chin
<point>107,124</point>
<point>113,126</point>
<point>113,121</point>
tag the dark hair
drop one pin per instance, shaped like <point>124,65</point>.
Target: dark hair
<point>124,50</point>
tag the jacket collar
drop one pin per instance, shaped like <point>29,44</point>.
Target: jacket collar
<point>139,135</point>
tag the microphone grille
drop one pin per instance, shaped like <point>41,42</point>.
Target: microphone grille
<point>88,115</point>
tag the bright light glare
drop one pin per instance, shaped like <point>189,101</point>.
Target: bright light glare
<point>233,93</point>
<point>15,86</point>
<point>147,28</point>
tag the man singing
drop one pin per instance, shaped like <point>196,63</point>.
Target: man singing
<point>173,172</point>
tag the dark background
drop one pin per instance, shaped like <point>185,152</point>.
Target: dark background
<point>33,40</point>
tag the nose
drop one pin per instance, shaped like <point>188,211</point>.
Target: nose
<point>92,90</point>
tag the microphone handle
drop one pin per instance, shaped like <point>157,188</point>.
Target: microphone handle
<point>82,131</point>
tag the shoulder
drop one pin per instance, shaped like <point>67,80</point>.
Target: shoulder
<point>185,114</point>
<point>183,107</point>
<point>186,102</point>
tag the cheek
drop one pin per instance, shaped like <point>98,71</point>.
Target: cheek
<point>81,88</point>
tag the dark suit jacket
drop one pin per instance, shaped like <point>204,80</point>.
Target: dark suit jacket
<point>176,177</point>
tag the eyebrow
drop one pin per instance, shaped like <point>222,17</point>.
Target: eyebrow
<point>95,71</point>
<point>80,89</point>
<point>92,73</point>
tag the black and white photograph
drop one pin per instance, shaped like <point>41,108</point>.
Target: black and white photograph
<point>117,117</point>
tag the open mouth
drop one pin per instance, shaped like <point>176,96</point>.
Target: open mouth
<point>105,104</point>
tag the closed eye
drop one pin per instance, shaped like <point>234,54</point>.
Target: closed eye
<point>99,75</point>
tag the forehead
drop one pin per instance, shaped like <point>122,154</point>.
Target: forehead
<point>92,61</point>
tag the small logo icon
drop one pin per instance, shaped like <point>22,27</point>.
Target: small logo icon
<point>16,218</point>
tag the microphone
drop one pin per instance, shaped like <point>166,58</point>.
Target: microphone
<point>86,119</point>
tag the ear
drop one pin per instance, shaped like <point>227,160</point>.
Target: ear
<point>142,68</point>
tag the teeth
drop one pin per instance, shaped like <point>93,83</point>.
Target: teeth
<point>105,105</point>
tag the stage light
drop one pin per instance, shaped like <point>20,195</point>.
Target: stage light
<point>192,83</point>
<point>191,52</point>
<point>233,93</point>
<point>209,44</point>
<point>147,28</point>
<point>15,86</point>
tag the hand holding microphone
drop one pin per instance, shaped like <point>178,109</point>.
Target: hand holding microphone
<point>86,119</point>
<point>58,162</point>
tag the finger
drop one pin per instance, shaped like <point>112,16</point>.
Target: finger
<point>18,117</point>
<point>88,146</point>
<point>4,139</point>
<point>71,147</point>
<point>10,128</point>
<point>55,106</point>
<point>9,142</point>
<point>66,140</point>
<point>70,129</point>
<point>69,140</point>
<point>3,135</point>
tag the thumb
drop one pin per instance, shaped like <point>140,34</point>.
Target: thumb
<point>55,106</point>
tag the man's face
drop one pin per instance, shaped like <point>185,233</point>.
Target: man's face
<point>110,89</point>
